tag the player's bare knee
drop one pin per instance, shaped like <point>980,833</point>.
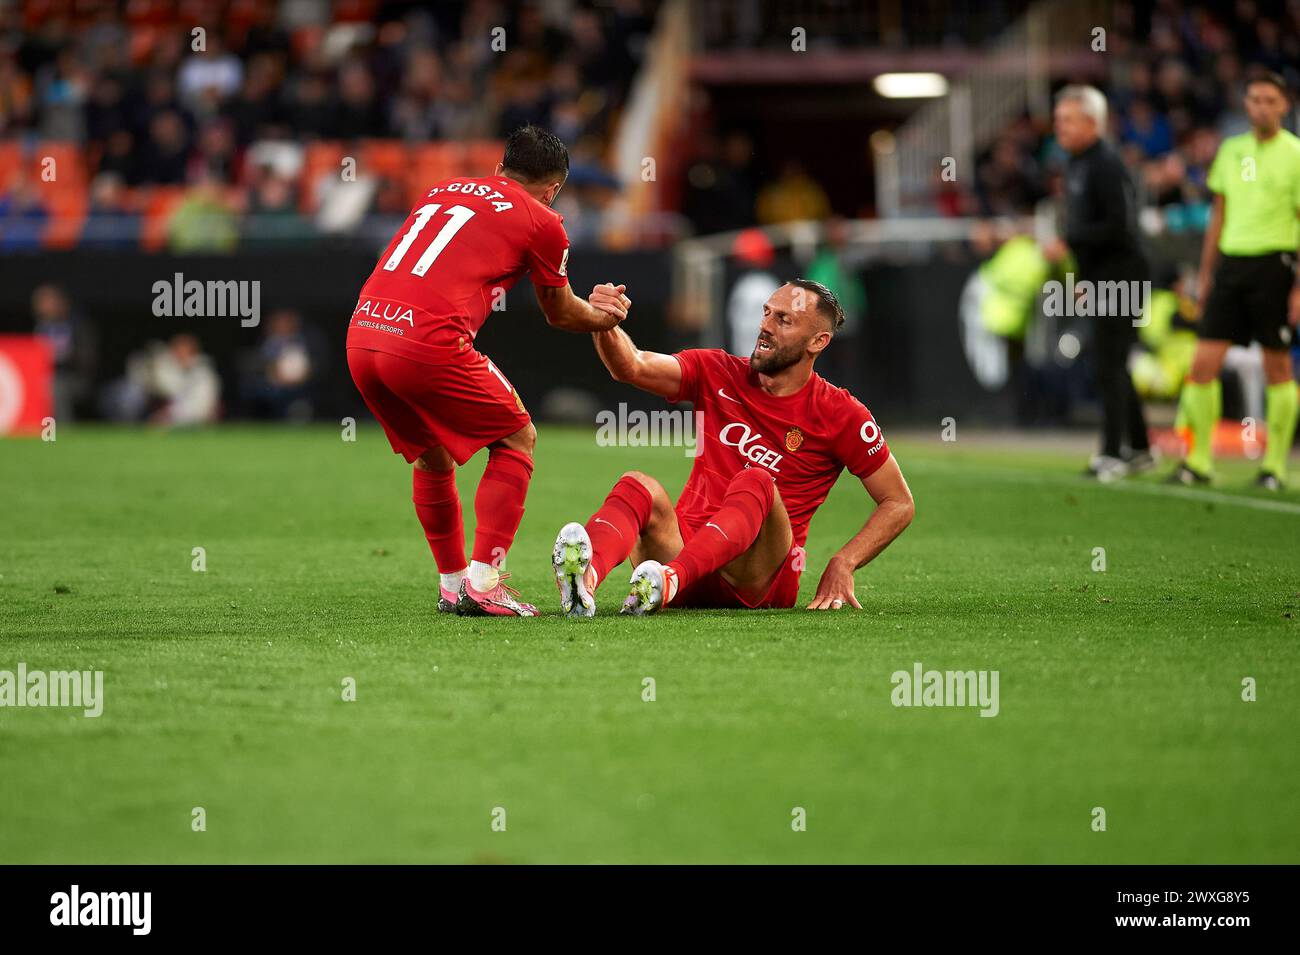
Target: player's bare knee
<point>1277,366</point>
<point>524,440</point>
<point>1207,362</point>
<point>641,478</point>
<point>435,459</point>
<point>659,499</point>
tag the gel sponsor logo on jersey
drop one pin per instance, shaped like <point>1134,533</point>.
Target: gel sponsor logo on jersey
<point>870,434</point>
<point>482,190</point>
<point>739,436</point>
<point>385,311</point>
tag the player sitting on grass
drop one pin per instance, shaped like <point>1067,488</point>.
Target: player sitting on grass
<point>774,438</point>
<point>411,352</point>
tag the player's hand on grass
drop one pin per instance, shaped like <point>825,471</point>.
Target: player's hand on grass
<point>835,589</point>
<point>610,298</point>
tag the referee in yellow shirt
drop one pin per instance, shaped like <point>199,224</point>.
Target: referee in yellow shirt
<point>1247,279</point>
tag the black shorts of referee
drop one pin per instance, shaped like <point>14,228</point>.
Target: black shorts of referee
<point>1248,300</point>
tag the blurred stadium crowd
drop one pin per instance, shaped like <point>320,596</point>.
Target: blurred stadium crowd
<point>246,143</point>
<point>174,382</point>
<point>200,125</point>
<point>1175,87</point>
<point>1174,96</point>
<point>243,142</point>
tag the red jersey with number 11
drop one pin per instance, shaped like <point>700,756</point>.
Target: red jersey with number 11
<point>804,440</point>
<point>462,246</point>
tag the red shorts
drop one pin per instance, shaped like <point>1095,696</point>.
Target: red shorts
<point>462,404</point>
<point>714,592</point>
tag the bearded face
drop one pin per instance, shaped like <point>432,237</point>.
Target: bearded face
<point>791,326</point>
<point>770,356</point>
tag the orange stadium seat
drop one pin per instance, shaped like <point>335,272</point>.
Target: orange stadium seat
<point>355,11</point>
<point>158,203</point>
<point>242,14</point>
<point>322,158</point>
<point>390,159</point>
<point>66,195</point>
<point>384,157</point>
<point>142,42</point>
<point>11,160</point>
<point>482,156</point>
<point>155,12</point>
<point>68,208</point>
<point>432,163</point>
<point>305,41</point>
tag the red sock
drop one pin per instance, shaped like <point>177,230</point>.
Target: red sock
<point>437,505</point>
<point>732,528</point>
<point>615,527</point>
<point>499,504</point>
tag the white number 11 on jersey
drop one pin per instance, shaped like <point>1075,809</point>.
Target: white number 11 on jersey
<point>459,216</point>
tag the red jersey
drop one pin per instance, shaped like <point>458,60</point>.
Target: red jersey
<point>804,440</point>
<point>462,246</point>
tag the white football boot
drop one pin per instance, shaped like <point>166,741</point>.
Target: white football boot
<point>653,586</point>
<point>571,558</point>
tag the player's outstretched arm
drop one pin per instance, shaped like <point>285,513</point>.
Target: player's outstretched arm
<point>650,371</point>
<point>894,511</point>
<point>564,310</point>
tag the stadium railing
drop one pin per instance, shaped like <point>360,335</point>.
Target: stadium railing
<point>699,264</point>
<point>1013,77</point>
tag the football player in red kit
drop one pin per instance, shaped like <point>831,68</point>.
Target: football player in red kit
<point>774,439</point>
<point>411,352</point>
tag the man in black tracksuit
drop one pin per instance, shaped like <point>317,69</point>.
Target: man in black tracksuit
<point>1101,230</point>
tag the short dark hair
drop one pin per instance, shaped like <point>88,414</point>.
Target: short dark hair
<point>827,303</point>
<point>534,155</point>
<point>1259,74</point>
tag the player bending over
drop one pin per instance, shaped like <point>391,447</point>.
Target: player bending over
<point>774,438</point>
<point>411,352</point>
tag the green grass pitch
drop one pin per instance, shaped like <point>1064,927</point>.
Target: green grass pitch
<point>1119,689</point>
